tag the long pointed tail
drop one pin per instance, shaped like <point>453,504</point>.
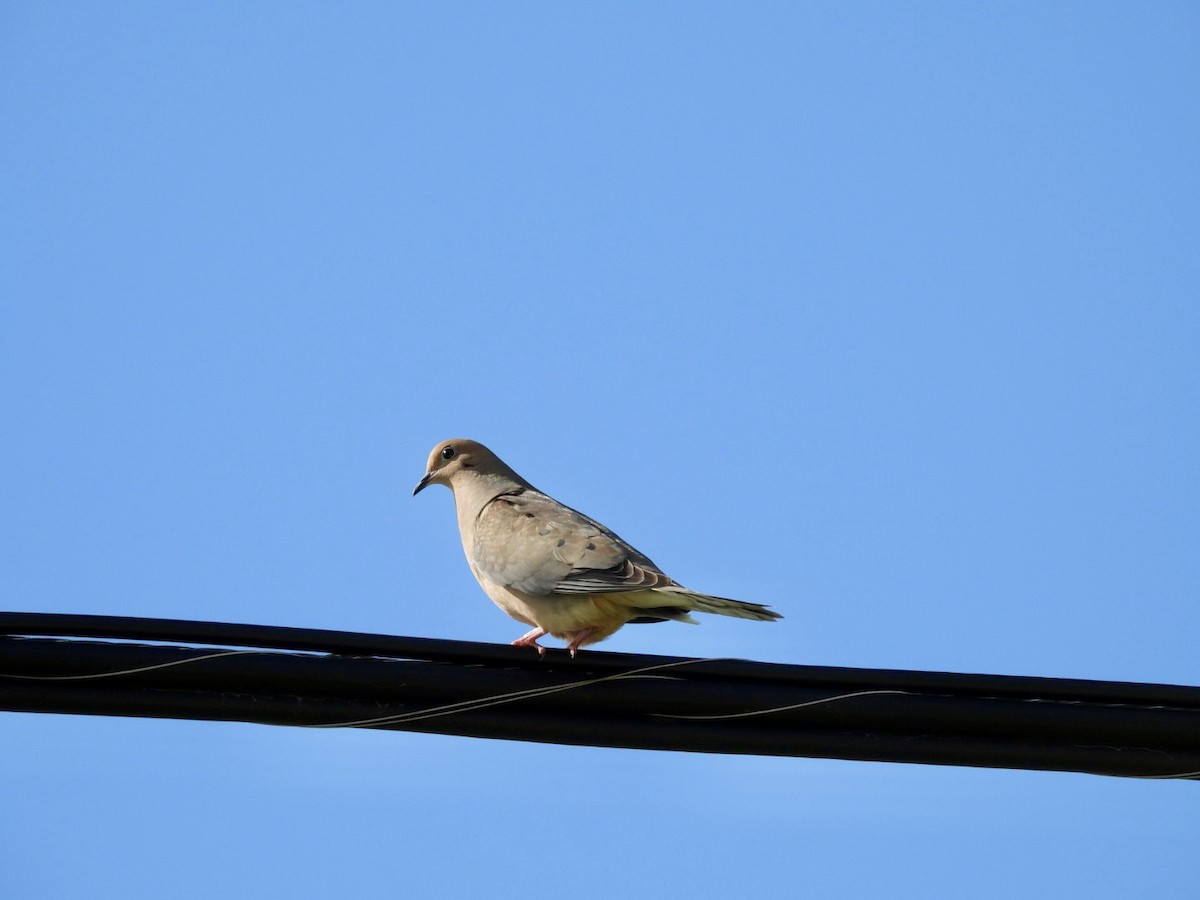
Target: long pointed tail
<point>722,606</point>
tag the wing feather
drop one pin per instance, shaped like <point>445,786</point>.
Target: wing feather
<point>530,542</point>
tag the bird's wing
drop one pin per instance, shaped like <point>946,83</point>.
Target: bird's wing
<point>530,542</point>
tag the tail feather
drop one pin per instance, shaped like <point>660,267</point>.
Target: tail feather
<point>723,606</point>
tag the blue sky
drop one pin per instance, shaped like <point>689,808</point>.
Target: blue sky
<point>883,314</point>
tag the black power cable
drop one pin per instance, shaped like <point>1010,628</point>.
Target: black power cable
<point>318,678</point>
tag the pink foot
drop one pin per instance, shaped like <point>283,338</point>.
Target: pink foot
<point>530,639</point>
<point>578,638</point>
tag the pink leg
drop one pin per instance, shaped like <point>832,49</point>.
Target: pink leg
<point>578,638</point>
<point>530,639</point>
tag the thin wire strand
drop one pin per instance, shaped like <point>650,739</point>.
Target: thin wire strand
<point>499,699</point>
<point>134,671</point>
<point>775,709</point>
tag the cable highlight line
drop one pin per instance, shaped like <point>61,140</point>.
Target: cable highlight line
<point>134,671</point>
<point>484,702</point>
<point>776,709</point>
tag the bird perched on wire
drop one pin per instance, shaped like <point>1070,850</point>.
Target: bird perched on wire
<point>552,567</point>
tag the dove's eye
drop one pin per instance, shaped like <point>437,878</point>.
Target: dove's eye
<point>447,453</point>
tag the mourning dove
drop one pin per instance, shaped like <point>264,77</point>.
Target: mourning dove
<point>552,567</point>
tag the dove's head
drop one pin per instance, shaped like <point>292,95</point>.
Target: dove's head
<point>457,459</point>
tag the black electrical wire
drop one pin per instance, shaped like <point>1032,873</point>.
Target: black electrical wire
<point>305,677</point>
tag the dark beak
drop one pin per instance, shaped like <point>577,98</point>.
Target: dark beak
<point>423,483</point>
